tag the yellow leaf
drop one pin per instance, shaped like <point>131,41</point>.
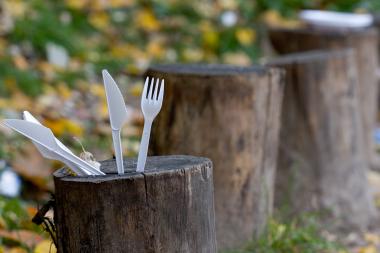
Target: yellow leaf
<point>147,21</point>
<point>64,91</point>
<point>62,126</point>
<point>274,19</point>
<point>4,103</point>
<point>245,36</point>
<point>45,246</point>
<point>122,50</point>
<point>133,69</point>
<point>76,4</point>
<point>372,238</point>
<point>97,90</point>
<point>136,90</point>
<point>155,49</point>
<point>100,20</point>
<point>368,249</point>
<point>210,39</point>
<point>193,54</point>
<point>120,3</point>
<point>229,4</point>
<point>17,250</point>
<point>19,101</point>
<point>16,8</point>
<point>74,128</point>
<point>238,58</point>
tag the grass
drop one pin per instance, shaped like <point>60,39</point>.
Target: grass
<point>298,236</point>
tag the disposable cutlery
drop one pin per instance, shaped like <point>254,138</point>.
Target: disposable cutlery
<point>52,155</point>
<point>151,102</point>
<point>118,116</point>
<point>44,137</point>
<point>331,19</point>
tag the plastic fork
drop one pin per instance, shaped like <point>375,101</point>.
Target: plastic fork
<point>151,102</point>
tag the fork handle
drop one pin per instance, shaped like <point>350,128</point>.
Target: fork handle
<point>144,146</point>
<point>118,151</point>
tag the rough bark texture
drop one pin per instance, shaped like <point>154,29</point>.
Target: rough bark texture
<point>168,208</point>
<point>377,24</point>
<point>321,162</point>
<point>230,114</point>
<point>365,43</point>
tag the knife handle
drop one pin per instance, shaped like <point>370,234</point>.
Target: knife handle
<point>118,151</point>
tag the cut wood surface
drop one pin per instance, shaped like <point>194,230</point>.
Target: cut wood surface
<point>321,162</point>
<point>365,43</point>
<point>168,208</point>
<point>230,114</point>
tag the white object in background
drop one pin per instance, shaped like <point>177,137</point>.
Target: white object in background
<point>118,116</point>
<point>44,137</point>
<point>336,19</point>
<point>57,55</point>
<point>229,18</point>
<point>151,102</point>
<point>52,155</point>
<point>10,181</point>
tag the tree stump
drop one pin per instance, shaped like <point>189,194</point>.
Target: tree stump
<point>321,162</point>
<point>168,208</point>
<point>230,114</point>
<point>365,43</point>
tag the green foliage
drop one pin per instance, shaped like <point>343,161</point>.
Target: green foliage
<point>296,236</point>
<point>12,212</point>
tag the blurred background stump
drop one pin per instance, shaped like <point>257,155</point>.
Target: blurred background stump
<point>321,162</point>
<point>168,208</point>
<point>232,115</point>
<point>365,43</point>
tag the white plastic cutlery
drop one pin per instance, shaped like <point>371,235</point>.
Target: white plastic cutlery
<point>52,155</point>
<point>118,116</point>
<point>332,19</point>
<point>151,102</point>
<point>44,137</point>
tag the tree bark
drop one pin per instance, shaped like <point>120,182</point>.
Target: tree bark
<point>377,24</point>
<point>321,162</point>
<point>365,43</point>
<point>230,114</point>
<point>168,208</point>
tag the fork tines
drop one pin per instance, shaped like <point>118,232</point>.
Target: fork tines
<point>152,90</point>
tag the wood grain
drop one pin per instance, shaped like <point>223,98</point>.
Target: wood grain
<point>365,44</point>
<point>322,165</point>
<point>168,208</point>
<point>232,115</point>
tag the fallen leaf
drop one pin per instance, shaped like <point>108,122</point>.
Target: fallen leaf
<point>147,21</point>
<point>368,249</point>
<point>372,238</point>
<point>45,246</point>
<point>25,237</point>
<point>246,36</point>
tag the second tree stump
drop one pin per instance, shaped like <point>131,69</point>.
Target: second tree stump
<point>365,44</point>
<point>232,115</point>
<point>321,164</point>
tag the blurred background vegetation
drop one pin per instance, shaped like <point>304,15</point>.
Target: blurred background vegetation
<point>51,56</point>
